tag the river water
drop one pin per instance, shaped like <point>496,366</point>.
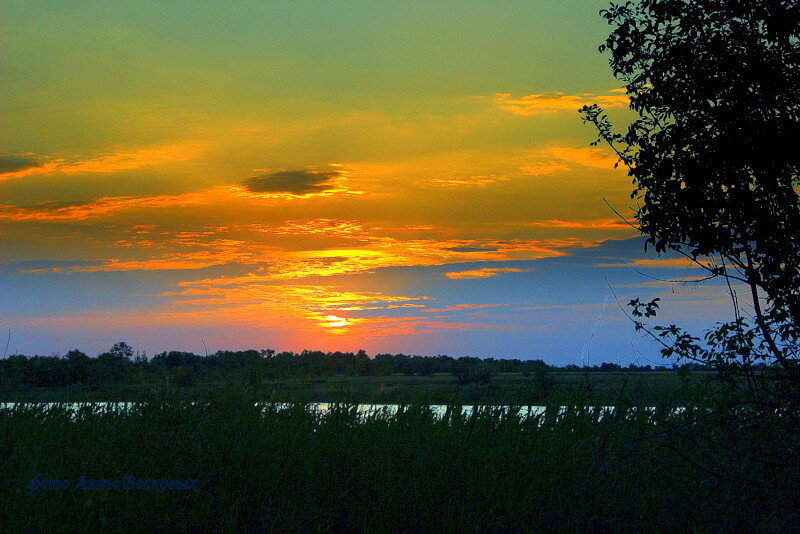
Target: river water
<point>365,410</point>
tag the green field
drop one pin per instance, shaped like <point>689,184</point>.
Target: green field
<point>557,387</point>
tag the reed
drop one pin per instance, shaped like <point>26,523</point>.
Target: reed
<point>264,469</point>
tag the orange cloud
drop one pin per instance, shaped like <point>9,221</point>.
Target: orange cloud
<point>536,104</point>
<point>369,247</point>
<point>613,224</point>
<point>560,159</point>
<point>244,192</point>
<point>482,273</point>
<point>80,210</point>
<point>321,226</point>
<point>391,252</point>
<point>544,167</point>
<point>542,248</point>
<point>585,156</point>
<point>316,298</point>
<point>177,261</point>
<point>307,308</point>
<point>53,211</point>
<point>117,161</point>
<point>479,181</point>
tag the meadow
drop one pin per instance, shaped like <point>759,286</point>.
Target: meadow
<point>647,388</point>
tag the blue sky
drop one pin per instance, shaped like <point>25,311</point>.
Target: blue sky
<point>396,177</point>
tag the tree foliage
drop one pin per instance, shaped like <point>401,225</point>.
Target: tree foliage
<point>186,368</point>
<point>714,160</point>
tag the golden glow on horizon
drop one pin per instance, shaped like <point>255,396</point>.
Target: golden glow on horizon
<point>331,186</point>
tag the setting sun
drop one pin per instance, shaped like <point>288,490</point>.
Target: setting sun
<point>335,322</point>
<point>245,192</point>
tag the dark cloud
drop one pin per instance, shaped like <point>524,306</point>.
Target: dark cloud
<point>292,182</point>
<point>17,163</point>
<point>472,249</point>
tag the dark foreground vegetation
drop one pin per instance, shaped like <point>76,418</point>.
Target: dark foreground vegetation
<point>294,471</point>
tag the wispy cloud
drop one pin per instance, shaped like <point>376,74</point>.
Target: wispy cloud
<point>334,228</point>
<point>80,210</point>
<point>479,181</point>
<point>381,252</point>
<point>380,327</point>
<point>487,272</point>
<point>120,160</point>
<point>310,308</point>
<point>540,168</point>
<point>561,159</point>
<point>319,226</point>
<point>318,247</point>
<point>461,307</point>
<point>318,298</point>
<point>585,156</point>
<point>661,263</point>
<point>589,224</point>
<point>17,163</point>
<point>472,249</point>
<point>555,102</point>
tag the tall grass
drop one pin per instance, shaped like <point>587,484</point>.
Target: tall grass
<point>261,469</point>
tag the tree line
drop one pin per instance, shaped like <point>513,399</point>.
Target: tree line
<point>121,365</point>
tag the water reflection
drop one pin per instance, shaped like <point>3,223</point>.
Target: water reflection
<point>388,410</point>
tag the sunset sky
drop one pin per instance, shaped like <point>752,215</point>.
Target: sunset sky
<point>394,176</point>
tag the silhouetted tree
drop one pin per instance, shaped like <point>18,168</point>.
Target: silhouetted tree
<point>472,371</point>
<point>115,360</point>
<point>121,350</point>
<point>176,358</point>
<point>609,367</point>
<point>80,366</point>
<point>714,159</point>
